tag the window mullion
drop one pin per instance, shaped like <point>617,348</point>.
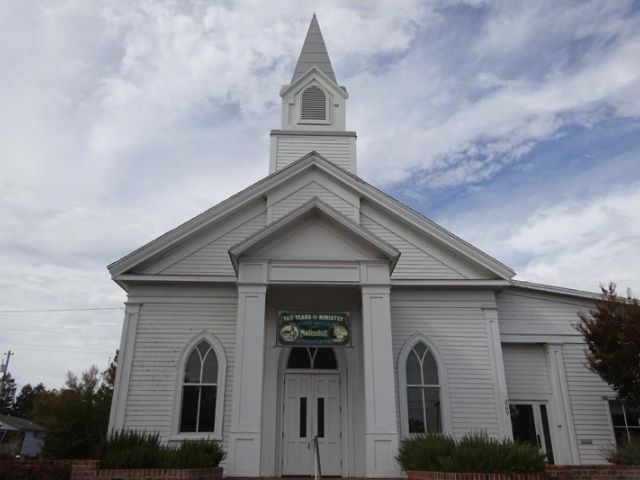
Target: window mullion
<point>424,409</point>
<point>198,409</point>
<point>626,423</point>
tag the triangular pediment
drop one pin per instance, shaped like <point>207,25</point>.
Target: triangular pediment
<point>401,221</point>
<point>314,232</point>
<point>314,74</point>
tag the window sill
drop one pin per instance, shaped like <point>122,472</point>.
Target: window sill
<point>196,436</point>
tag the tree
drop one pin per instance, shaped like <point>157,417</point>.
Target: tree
<point>8,395</point>
<point>23,406</point>
<point>76,416</point>
<point>109,375</point>
<point>612,332</point>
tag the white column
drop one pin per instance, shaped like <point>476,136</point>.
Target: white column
<point>497,365</point>
<point>381,429</point>
<point>125,361</point>
<point>563,435</point>
<point>246,413</point>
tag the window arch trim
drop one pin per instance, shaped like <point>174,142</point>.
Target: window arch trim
<point>221,356</point>
<point>401,366</point>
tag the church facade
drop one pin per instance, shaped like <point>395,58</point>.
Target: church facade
<point>311,311</point>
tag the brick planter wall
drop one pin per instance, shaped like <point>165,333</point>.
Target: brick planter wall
<point>473,476</point>
<point>90,470</point>
<point>563,472</point>
<point>45,469</point>
<point>593,472</point>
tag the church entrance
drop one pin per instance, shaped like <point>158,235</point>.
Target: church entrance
<point>312,409</point>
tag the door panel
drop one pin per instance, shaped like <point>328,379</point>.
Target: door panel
<point>311,407</point>
<point>327,422</point>
<point>531,425</point>
<point>296,452</point>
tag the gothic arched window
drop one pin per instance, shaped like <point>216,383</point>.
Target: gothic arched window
<point>423,409</point>
<point>313,104</point>
<point>201,389</point>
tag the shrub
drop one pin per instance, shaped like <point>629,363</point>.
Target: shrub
<point>133,449</point>
<point>422,452</point>
<point>626,454</point>
<point>477,452</point>
<point>195,454</point>
<point>473,453</point>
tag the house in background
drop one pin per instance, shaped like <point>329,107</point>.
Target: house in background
<point>19,436</point>
<point>313,306</point>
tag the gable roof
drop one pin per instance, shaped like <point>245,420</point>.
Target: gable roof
<point>258,190</point>
<point>314,52</point>
<point>314,207</point>
<point>318,75</point>
<point>21,424</point>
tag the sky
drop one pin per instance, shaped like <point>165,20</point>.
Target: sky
<point>516,125</point>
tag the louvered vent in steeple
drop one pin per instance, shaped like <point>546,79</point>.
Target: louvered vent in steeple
<point>314,104</point>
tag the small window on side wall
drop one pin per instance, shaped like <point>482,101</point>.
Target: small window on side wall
<point>313,104</point>
<point>625,421</point>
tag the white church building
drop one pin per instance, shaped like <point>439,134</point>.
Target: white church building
<point>312,308</point>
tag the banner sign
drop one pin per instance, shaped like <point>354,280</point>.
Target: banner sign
<point>313,328</point>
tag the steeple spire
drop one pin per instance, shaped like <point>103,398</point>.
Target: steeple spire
<point>313,53</point>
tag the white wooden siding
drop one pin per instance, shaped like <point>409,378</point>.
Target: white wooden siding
<point>413,262</point>
<point>537,313</point>
<point>527,373</point>
<point>454,322</point>
<point>213,258</point>
<point>522,312</point>
<point>587,393</point>
<point>307,192</point>
<point>338,149</point>
<point>169,318</point>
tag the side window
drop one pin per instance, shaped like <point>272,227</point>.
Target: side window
<point>313,104</point>
<point>625,421</point>
<point>423,391</point>
<point>201,382</point>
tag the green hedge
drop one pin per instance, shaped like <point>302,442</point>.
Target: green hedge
<point>133,449</point>
<point>473,453</point>
<point>626,454</point>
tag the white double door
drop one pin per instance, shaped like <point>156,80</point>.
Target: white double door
<point>311,408</point>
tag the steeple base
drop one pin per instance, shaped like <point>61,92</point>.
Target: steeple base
<point>287,146</point>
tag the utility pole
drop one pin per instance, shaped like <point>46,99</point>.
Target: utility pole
<point>4,368</point>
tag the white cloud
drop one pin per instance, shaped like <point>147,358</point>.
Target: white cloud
<point>121,119</point>
<point>578,242</point>
<point>583,242</point>
<point>460,140</point>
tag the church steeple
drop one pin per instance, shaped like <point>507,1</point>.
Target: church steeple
<point>313,110</point>
<point>314,53</point>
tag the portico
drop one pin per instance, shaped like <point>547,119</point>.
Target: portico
<point>314,259</point>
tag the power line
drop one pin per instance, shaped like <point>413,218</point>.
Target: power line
<point>49,310</point>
